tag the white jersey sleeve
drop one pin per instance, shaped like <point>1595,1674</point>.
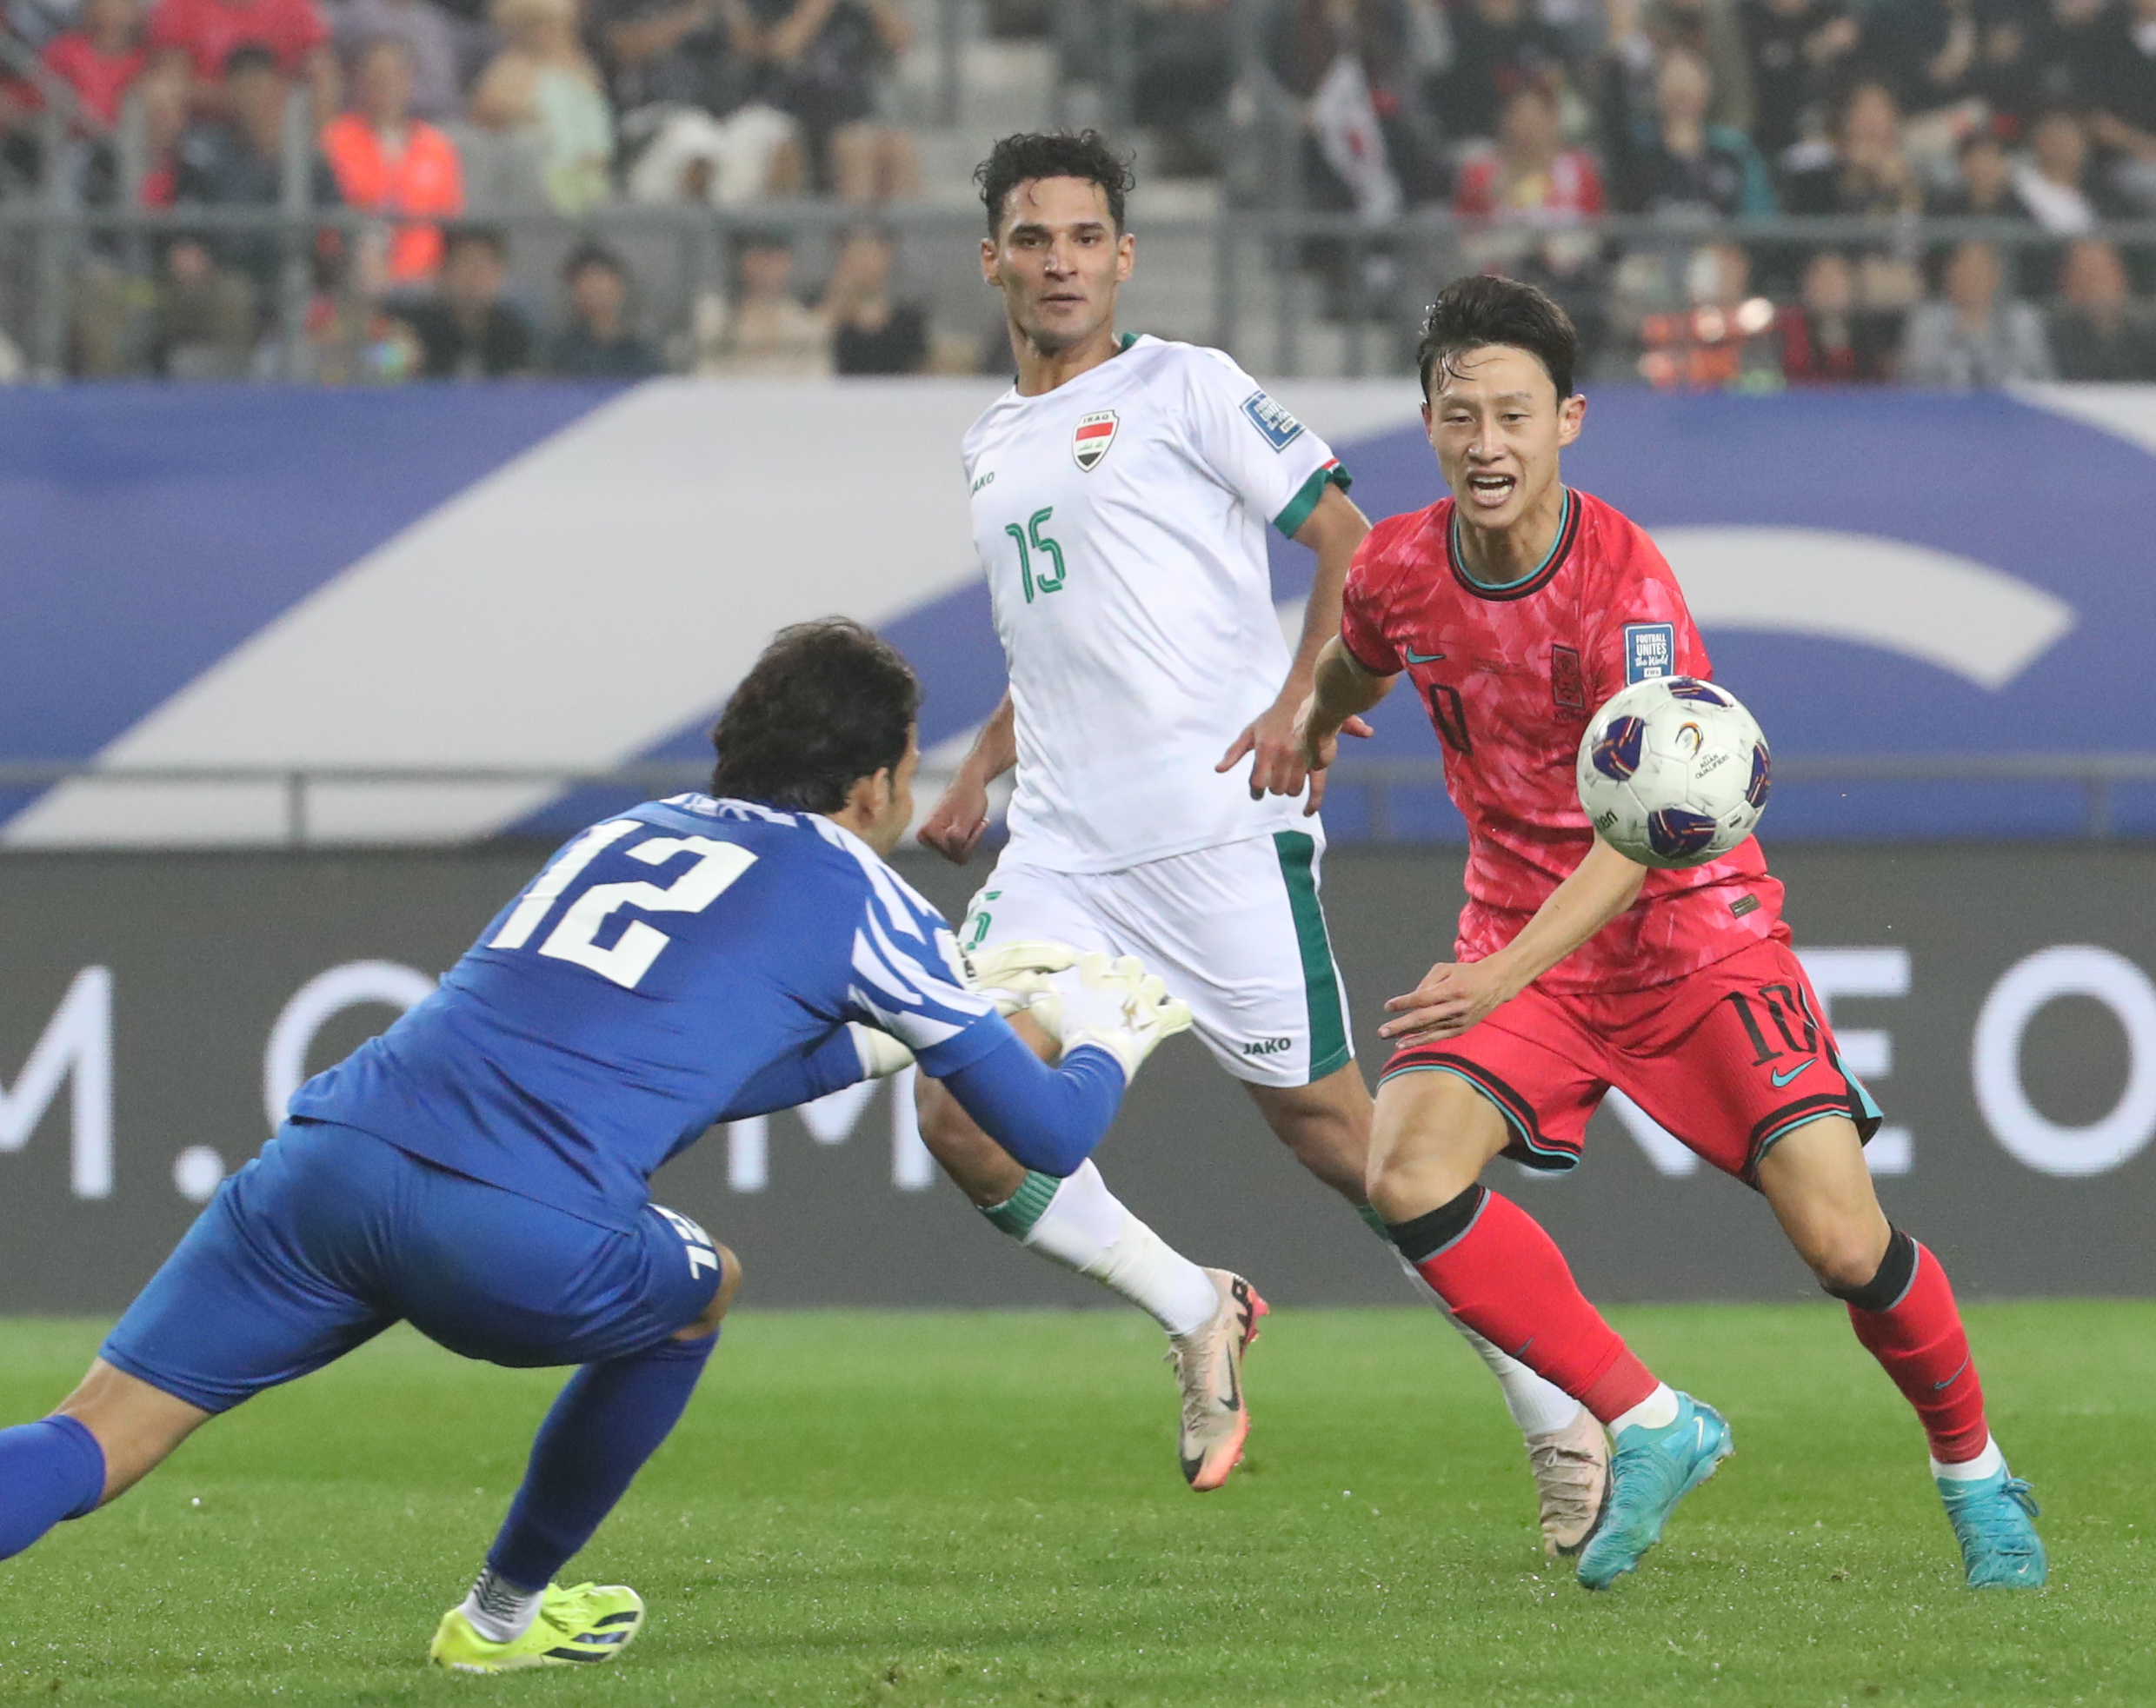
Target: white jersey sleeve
<point>1255,448</point>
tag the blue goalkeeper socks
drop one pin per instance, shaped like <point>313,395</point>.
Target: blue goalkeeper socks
<point>48,1472</point>
<point>606,1422</point>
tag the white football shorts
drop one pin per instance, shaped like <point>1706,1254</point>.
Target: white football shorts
<point>1235,931</point>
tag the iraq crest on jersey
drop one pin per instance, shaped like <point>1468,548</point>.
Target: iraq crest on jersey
<point>1094,433</point>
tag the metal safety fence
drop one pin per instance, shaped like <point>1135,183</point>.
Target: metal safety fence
<point>1378,783</point>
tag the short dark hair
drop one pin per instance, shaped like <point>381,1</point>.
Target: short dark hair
<point>251,56</point>
<point>588,253</point>
<point>477,237</point>
<point>828,703</point>
<point>1483,308</point>
<point>1052,154</point>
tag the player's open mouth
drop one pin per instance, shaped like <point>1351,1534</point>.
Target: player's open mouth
<point>1491,489</point>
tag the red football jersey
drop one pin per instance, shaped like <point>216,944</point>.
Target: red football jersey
<point>1509,676</point>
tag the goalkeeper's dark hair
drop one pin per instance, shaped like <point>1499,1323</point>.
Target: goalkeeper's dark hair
<point>828,703</point>
<point>1052,154</point>
<point>1483,310</point>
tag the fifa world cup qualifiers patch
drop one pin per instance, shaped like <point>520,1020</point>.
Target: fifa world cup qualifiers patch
<point>1650,651</point>
<point>1281,429</point>
<point>1090,439</point>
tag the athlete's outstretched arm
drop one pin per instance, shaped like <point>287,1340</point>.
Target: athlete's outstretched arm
<point>1332,529</point>
<point>1049,1118</point>
<point>1340,689</point>
<point>1454,996</point>
<point>954,829</point>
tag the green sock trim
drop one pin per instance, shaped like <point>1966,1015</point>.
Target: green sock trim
<point>1368,1212</point>
<point>1016,1215</point>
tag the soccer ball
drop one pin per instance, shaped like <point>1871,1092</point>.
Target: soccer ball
<point>1673,772</point>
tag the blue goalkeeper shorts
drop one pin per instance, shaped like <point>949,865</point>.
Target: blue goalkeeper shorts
<point>331,1234</point>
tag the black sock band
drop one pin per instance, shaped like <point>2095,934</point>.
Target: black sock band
<point>1896,1270</point>
<point>1428,1234</point>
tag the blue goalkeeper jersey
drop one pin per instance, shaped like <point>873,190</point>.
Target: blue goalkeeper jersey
<point>690,960</point>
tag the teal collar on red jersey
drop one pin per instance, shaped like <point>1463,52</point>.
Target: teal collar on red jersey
<point>1567,527</point>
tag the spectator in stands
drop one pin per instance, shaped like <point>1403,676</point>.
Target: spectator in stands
<point>1318,49</point>
<point>2067,40</point>
<point>204,34</point>
<point>238,161</point>
<point>825,57</point>
<point>1974,337</point>
<point>761,331</point>
<point>204,318</point>
<point>1723,340</point>
<point>598,341</point>
<point>2097,331</point>
<point>1185,62</point>
<point>2053,184</point>
<point>871,331</point>
<point>1941,54</point>
<point>1711,29</point>
<point>2122,95</point>
<point>1498,46</point>
<point>1827,337</point>
<point>1865,170</point>
<point>543,84</point>
<point>101,57</point>
<point>389,163</point>
<point>1983,186</point>
<point>466,331</point>
<point>427,35</point>
<point>1798,52</point>
<point>1674,162</point>
<point>689,81</point>
<point>1523,185</point>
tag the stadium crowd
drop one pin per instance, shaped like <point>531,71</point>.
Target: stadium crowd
<point>1528,119</point>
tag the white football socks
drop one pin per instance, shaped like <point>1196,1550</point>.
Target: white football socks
<point>1657,1411</point>
<point>1086,1227</point>
<point>1538,1405</point>
<point>1989,1463</point>
<point>499,1611</point>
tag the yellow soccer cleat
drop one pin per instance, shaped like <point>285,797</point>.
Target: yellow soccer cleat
<point>579,1627</point>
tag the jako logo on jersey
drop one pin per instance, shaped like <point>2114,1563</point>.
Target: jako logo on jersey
<point>1269,1046</point>
<point>1650,651</point>
<point>1280,428</point>
<point>1094,435</point>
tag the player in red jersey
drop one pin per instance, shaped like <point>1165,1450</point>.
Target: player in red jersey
<point>1516,606</point>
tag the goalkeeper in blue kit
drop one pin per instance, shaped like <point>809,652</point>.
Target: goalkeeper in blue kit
<point>481,1169</point>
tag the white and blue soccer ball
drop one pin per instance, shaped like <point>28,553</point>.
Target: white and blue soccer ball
<point>1673,772</point>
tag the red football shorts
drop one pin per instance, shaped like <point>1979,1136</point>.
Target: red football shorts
<point>1728,1059</point>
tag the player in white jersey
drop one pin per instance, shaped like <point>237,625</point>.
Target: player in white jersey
<point>1120,493</point>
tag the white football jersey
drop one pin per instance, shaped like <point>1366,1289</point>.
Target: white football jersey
<point>1121,520</point>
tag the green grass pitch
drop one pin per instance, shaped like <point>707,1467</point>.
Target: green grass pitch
<point>953,1509</point>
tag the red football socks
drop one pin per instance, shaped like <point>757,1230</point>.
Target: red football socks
<point>1505,1277</point>
<point>1919,1342</point>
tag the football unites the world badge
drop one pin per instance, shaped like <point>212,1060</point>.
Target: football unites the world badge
<point>1093,434</point>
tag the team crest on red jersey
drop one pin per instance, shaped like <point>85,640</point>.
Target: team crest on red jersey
<point>1568,688</point>
<point>1094,433</point>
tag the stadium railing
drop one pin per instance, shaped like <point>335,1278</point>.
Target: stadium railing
<point>1257,294</point>
<point>294,788</point>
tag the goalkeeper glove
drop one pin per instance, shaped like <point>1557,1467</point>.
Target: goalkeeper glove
<point>1013,976</point>
<point>1116,1006</point>
<point>882,1056</point>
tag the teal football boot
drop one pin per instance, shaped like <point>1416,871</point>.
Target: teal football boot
<point>1991,1517</point>
<point>1654,1469</point>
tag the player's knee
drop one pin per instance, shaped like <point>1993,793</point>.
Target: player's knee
<point>713,1314</point>
<point>1845,1258</point>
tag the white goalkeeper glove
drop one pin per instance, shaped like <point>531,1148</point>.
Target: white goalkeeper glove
<point>882,1056</point>
<point>1013,976</point>
<point>1117,1006</point>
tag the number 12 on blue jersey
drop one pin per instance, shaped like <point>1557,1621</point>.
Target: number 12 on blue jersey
<point>718,866</point>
